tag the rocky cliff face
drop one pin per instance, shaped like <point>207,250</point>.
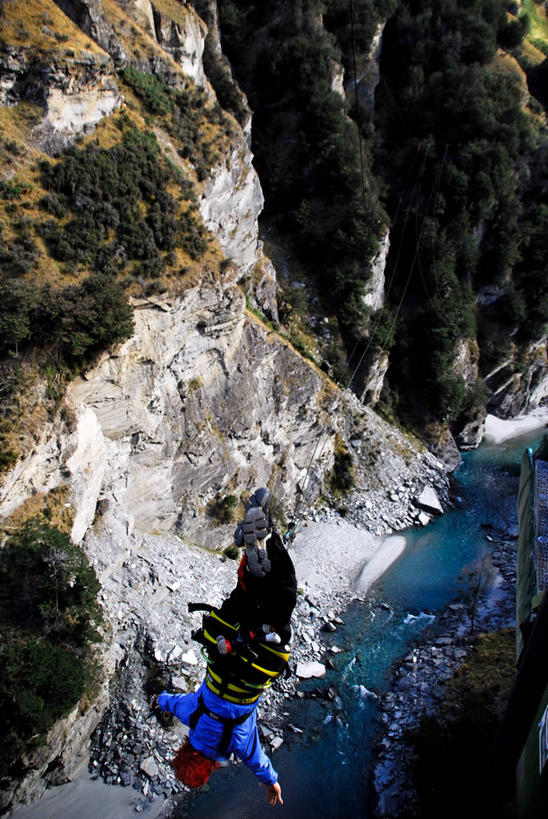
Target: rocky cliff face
<point>75,92</point>
<point>367,78</point>
<point>203,401</point>
<point>516,391</point>
<point>230,204</point>
<point>180,33</point>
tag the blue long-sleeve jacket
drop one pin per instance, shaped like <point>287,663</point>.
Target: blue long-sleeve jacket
<point>245,743</point>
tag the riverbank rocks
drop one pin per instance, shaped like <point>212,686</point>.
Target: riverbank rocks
<point>149,766</point>
<point>133,746</point>
<point>418,683</point>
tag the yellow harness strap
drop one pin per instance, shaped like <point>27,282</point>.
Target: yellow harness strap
<point>225,696</point>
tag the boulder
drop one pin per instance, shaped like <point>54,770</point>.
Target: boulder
<point>428,501</point>
<point>149,766</point>
<point>189,658</point>
<point>471,435</point>
<point>313,669</point>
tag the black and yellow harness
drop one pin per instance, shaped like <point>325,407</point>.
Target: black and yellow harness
<point>251,666</point>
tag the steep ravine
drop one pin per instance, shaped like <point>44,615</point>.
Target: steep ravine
<point>202,402</point>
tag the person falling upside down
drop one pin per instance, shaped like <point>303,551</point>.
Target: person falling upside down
<point>244,656</point>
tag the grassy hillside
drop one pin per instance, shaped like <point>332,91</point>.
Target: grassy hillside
<point>40,28</point>
<point>113,217</point>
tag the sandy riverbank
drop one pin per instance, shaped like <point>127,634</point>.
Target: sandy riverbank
<point>498,430</point>
<point>341,559</point>
<point>329,556</point>
<point>90,799</point>
<point>389,550</point>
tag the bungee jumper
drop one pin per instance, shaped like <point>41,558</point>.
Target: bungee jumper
<point>245,646</point>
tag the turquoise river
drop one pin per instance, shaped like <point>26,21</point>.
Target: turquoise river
<point>326,771</point>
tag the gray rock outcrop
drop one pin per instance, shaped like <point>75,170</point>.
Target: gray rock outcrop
<point>307,670</point>
<point>368,76</point>
<point>89,16</point>
<point>374,289</point>
<point>75,92</point>
<point>518,392</point>
<point>230,204</point>
<point>429,501</point>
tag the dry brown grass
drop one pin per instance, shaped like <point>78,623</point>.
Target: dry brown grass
<point>21,166</point>
<point>538,18</point>
<point>533,54</point>
<point>41,26</point>
<point>30,410</point>
<point>174,10</point>
<point>16,124</point>
<point>54,506</point>
<point>504,63</point>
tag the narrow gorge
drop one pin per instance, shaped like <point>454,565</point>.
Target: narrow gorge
<point>165,349</point>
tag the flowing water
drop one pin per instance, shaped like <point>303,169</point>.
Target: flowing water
<point>325,772</point>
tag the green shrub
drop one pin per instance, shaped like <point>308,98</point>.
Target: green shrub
<point>310,156</point>
<point>84,319</point>
<point>184,111</point>
<point>120,191</point>
<point>17,303</point>
<point>13,190</point>
<point>54,205</point>
<point>225,508</point>
<point>460,129</point>
<point>48,585</point>
<point>41,682</point>
<point>342,478</point>
<point>154,93</point>
<point>48,618</point>
<point>20,255</point>
<point>511,35</point>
